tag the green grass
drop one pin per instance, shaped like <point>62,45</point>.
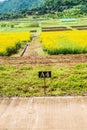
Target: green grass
<point>25,24</point>
<point>58,22</point>
<point>67,50</point>
<point>24,81</point>
<point>18,26</point>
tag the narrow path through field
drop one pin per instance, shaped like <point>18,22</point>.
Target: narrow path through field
<point>34,48</point>
<point>43,113</point>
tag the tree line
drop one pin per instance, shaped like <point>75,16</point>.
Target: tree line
<point>60,7</point>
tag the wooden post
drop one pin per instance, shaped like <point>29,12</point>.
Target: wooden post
<point>44,86</point>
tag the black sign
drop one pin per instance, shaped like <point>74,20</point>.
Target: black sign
<point>44,74</point>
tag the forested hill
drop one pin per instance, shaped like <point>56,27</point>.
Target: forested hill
<point>48,5</point>
<point>10,9</point>
<point>15,5</point>
<point>60,5</point>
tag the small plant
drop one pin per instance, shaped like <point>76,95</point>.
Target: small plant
<point>34,24</point>
<point>13,50</point>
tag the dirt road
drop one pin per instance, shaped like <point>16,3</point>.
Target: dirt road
<point>43,113</point>
<point>34,48</point>
<point>44,60</point>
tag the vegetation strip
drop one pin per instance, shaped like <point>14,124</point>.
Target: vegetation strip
<point>24,81</point>
<point>46,9</point>
<point>64,42</point>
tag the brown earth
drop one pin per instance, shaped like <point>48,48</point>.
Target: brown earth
<point>43,113</point>
<point>44,60</point>
<point>35,47</point>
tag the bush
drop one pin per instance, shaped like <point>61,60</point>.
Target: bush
<point>18,46</point>
<point>3,25</point>
<point>34,24</point>
<point>2,54</point>
<point>12,26</point>
<point>13,50</point>
<point>73,12</point>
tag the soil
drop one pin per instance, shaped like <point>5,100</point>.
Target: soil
<point>44,60</point>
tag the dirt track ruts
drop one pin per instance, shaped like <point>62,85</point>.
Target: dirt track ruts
<point>43,113</point>
<point>34,60</point>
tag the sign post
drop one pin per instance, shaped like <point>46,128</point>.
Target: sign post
<point>44,85</point>
<point>44,75</point>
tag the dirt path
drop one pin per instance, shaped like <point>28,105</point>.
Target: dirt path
<point>60,113</point>
<point>60,60</point>
<point>35,48</point>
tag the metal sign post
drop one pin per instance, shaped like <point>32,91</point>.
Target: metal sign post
<point>44,75</point>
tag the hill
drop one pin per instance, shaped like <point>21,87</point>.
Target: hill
<point>55,8</point>
<point>15,5</point>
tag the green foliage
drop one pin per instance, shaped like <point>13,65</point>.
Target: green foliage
<point>52,6</point>
<point>60,8</point>
<point>2,54</point>
<point>13,50</point>
<point>3,25</point>
<point>12,5</point>
<point>34,24</point>
<point>67,51</point>
<point>73,12</point>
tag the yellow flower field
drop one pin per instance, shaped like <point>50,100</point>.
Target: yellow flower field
<point>10,39</point>
<point>65,42</point>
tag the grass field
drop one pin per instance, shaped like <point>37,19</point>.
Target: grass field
<point>19,75</point>
<point>65,42</point>
<point>25,25</point>
<point>18,26</point>
<point>24,81</point>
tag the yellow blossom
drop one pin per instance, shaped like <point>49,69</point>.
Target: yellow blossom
<point>65,41</point>
<point>10,39</point>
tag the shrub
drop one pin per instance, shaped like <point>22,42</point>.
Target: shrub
<point>13,50</point>
<point>34,24</point>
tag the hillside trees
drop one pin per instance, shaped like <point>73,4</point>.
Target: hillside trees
<point>64,8</point>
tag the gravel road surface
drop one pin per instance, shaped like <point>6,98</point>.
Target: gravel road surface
<point>43,113</point>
